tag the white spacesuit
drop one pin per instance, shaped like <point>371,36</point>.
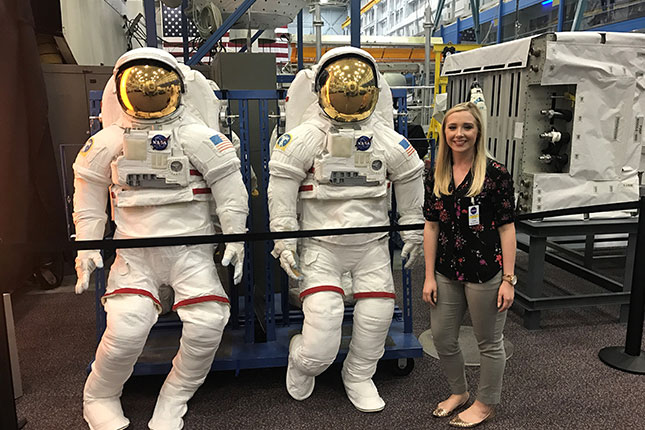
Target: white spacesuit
<point>336,166</point>
<point>163,167</point>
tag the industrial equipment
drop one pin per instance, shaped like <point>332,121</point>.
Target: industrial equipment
<point>565,114</point>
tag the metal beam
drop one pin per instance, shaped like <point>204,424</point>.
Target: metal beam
<point>560,16</point>
<point>300,41</point>
<point>499,21</point>
<point>355,24</point>
<point>577,19</point>
<point>255,37</point>
<point>474,6</point>
<point>151,23</point>
<point>318,30</point>
<point>562,302</point>
<point>184,29</point>
<point>578,270</point>
<point>219,33</point>
<point>437,16</point>
<point>427,95</point>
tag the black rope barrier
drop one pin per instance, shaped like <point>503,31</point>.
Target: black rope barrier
<point>262,236</point>
<point>248,237</point>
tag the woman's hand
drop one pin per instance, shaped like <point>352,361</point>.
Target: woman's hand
<point>430,291</point>
<point>505,296</point>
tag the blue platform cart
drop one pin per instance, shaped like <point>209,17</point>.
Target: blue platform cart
<point>242,347</point>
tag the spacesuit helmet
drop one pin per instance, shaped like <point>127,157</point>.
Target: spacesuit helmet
<point>347,84</point>
<point>149,83</point>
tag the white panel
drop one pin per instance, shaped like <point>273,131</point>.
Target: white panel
<point>505,55</point>
<point>555,191</point>
<point>603,145</point>
<point>94,30</point>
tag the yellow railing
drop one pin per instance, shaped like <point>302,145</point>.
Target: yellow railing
<point>364,9</point>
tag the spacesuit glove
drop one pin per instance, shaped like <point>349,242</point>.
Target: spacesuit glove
<point>290,265</point>
<point>411,252</point>
<point>285,250</point>
<point>86,262</point>
<point>234,253</point>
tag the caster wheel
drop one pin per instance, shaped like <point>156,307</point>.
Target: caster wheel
<point>402,366</point>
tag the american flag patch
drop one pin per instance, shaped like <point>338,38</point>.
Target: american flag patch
<point>409,149</point>
<point>222,144</point>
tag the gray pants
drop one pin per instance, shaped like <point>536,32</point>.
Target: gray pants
<point>481,299</point>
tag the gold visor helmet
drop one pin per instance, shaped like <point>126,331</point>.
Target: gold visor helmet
<point>347,88</point>
<point>148,89</point>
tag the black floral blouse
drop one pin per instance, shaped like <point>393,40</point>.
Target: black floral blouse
<point>464,252</point>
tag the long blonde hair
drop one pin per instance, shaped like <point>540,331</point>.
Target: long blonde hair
<point>443,164</point>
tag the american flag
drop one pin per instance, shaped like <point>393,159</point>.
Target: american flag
<point>221,143</point>
<point>173,40</point>
<point>409,149</point>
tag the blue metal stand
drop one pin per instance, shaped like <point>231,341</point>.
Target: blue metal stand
<point>268,260</point>
<point>245,151</point>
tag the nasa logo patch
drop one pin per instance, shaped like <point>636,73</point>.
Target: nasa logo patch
<point>473,210</point>
<point>363,143</point>
<point>159,142</point>
<point>283,141</point>
<point>88,145</point>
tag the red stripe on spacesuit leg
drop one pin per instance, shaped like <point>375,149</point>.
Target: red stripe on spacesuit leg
<point>322,288</point>
<point>376,294</point>
<point>133,291</point>
<point>202,299</point>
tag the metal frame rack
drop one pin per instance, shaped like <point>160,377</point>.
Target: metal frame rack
<point>240,348</point>
<point>532,299</point>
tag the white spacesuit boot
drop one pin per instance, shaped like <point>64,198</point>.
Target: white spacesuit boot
<point>129,319</point>
<point>372,318</point>
<point>311,352</point>
<point>203,325</point>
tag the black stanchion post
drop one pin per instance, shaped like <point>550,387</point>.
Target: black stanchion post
<point>8,417</point>
<point>631,358</point>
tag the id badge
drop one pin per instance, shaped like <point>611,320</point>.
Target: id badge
<point>473,215</point>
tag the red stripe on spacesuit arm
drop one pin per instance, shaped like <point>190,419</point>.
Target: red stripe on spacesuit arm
<point>375,294</point>
<point>321,288</point>
<point>211,298</point>
<point>133,291</point>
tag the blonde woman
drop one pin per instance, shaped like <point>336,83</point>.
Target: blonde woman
<point>469,245</point>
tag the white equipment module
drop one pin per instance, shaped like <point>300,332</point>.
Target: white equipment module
<point>565,114</point>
